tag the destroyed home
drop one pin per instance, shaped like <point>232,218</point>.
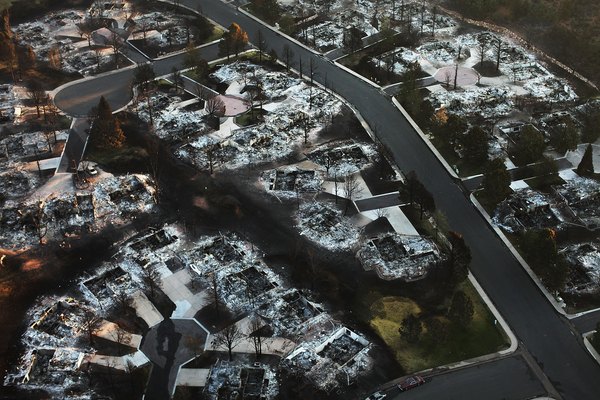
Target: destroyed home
<point>525,209</point>
<point>335,362</point>
<point>326,225</point>
<point>234,379</point>
<point>395,256</point>
<point>584,271</point>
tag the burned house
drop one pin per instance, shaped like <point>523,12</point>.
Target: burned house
<point>525,209</point>
<point>289,314</point>
<point>583,197</point>
<point>234,380</point>
<point>395,256</point>
<point>334,362</point>
<point>107,284</point>
<point>584,274</point>
<point>293,180</point>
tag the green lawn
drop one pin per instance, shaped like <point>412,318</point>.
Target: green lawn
<point>479,338</point>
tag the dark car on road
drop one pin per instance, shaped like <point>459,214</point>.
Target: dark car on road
<point>411,382</point>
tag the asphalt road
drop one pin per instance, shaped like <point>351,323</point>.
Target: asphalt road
<point>77,99</point>
<point>548,337</point>
<point>587,322</point>
<point>505,379</point>
<point>559,352</point>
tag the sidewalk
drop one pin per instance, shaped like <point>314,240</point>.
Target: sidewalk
<point>111,331</point>
<point>145,309</point>
<point>187,303</point>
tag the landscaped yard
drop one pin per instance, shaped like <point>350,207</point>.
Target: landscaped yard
<point>482,336</point>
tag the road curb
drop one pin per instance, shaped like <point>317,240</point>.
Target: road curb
<point>53,92</point>
<point>316,53</point>
<point>588,345</point>
<point>416,127</point>
<point>514,343</point>
<point>517,256</point>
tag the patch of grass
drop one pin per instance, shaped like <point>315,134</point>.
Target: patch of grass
<point>488,205</point>
<point>217,33</point>
<point>481,337</point>
<point>119,160</point>
<point>251,117</point>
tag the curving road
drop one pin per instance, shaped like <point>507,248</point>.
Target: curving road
<point>550,339</point>
<point>78,98</point>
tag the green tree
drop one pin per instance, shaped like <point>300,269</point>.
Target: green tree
<point>460,257</point>
<point>267,10</point>
<point>143,76</point>
<point>541,252</point>
<point>496,181</point>
<point>411,329</point>
<point>546,171</point>
<point>461,309</point>
<point>586,165</point>
<point>591,126</point>
<point>530,146</point>
<point>437,329</point>
<point>409,91</point>
<point>106,132</point>
<point>475,145</point>
<point>564,137</point>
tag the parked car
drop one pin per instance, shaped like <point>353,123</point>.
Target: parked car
<point>411,382</point>
<point>377,396</point>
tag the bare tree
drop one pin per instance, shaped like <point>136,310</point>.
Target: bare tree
<point>210,156</point>
<point>483,46</point>
<point>176,78</point>
<point>89,323</point>
<point>151,279</point>
<point>261,44</point>
<point>215,107</point>
<point>229,337</point>
<point>85,30</point>
<point>312,69</point>
<point>36,94</point>
<point>351,188</point>
<point>215,288</point>
<point>255,326</point>
<point>121,337</point>
<point>116,44</point>
<point>288,56</point>
<point>122,300</point>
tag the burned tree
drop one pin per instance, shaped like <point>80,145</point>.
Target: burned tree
<point>177,79</point>
<point>229,337</point>
<point>288,56</point>
<point>151,279</point>
<point>37,94</point>
<point>215,107</point>
<point>89,322</point>
<point>351,188</point>
<point>255,327</point>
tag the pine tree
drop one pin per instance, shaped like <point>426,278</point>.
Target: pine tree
<point>586,165</point>
<point>411,329</point>
<point>496,181</point>
<point>461,310</point>
<point>460,257</point>
<point>106,132</point>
